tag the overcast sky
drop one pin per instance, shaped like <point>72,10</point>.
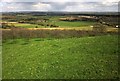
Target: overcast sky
<point>59,5</point>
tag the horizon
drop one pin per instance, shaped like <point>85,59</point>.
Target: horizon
<point>64,11</point>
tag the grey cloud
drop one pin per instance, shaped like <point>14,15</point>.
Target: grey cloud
<point>62,6</point>
<point>58,6</point>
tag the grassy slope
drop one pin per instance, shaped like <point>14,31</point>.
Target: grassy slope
<point>0,59</point>
<point>83,58</point>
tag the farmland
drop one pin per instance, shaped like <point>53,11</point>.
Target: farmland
<point>50,22</point>
<point>64,46</point>
<point>61,24</point>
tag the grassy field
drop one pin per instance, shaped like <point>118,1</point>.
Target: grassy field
<point>55,20</point>
<point>52,20</point>
<point>74,24</point>
<point>70,58</point>
<point>25,25</point>
<point>63,24</point>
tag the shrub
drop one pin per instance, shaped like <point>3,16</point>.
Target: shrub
<point>41,33</point>
<point>99,28</point>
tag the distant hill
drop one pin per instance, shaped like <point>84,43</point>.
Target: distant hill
<point>61,13</point>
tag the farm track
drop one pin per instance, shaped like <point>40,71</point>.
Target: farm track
<point>60,28</point>
<point>82,28</point>
<point>75,28</point>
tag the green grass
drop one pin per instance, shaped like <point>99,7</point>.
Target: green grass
<point>55,20</point>
<point>25,25</point>
<point>64,24</point>
<point>70,58</point>
<point>74,24</point>
<point>0,59</point>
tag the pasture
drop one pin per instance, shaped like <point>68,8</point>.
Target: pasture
<point>61,24</point>
<point>42,46</point>
<point>25,25</point>
<point>46,22</point>
<point>68,58</point>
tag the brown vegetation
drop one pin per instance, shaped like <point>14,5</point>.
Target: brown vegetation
<point>79,18</point>
<point>41,33</point>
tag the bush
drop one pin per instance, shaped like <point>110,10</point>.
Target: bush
<point>41,33</point>
<point>99,28</point>
<point>7,26</point>
<point>53,26</point>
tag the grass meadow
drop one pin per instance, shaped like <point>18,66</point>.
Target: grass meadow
<point>25,25</point>
<point>67,58</point>
<point>45,47</point>
<point>63,24</point>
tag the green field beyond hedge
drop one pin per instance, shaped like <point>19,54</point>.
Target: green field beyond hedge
<point>63,24</point>
<point>70,58</point>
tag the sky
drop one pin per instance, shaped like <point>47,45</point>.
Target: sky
<point>59,5</point>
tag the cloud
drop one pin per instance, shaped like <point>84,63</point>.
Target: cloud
<point>16,6</point>
<point>106,5</point>
<point>60,0</point>
<point>91,7</point>
<point>41,7</point>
